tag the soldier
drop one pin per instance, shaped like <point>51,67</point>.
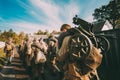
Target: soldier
<point>64,28</point>
<point>38,67</point>
<point>27,52</point>
<point>84,69</point>
<point>52,47</point>
<point>63,33</point>
<point>9,48</point>
<point>21,49</point>
<point>43,45</point>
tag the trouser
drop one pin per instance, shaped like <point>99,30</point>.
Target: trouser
<point>8,56</point>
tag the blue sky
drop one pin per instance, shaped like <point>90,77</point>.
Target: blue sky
<point>31,15</point>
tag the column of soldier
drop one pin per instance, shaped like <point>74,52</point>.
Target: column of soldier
<point>49,60</point>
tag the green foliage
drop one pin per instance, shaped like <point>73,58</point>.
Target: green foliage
<point>2,57</point>
<point>117,24</point>
<point>2,54</point>
<point>40,32</point>
<point>108,12</point>
<point>22,35</point>
<point>6,34</point>
<point>17,38</point>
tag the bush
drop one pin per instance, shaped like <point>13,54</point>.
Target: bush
<point>2,57</point>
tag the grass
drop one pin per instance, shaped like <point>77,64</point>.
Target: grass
<point>2,57</point>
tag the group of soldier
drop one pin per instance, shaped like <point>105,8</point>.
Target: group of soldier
<point>55,58</point>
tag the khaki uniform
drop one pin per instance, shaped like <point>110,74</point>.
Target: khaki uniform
<point>9,48</point>
<point>83,70</point>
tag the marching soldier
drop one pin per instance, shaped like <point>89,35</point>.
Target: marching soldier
<point>37,50</point>
<point>9,48</point>
<point>64,33</point>
<point>84,69</point>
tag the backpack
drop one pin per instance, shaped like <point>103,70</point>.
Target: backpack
<point>40,58</point>
<point>8,47</point>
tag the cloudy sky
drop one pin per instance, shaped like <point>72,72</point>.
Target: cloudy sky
<point>31,15</point>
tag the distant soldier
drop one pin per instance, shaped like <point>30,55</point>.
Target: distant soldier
<point>21,49</point>
<point>27,51</point>
<point>52,47</point>
<point>9,48</point>
<point>51,56</point>
<point>43,45</point>
<point>37,64</point>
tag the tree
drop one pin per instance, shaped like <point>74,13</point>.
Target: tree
<point>117,24</point>
<point>10,30</point>
<point>46,32</point>
<point>108,12</point>
<point>10,33</point>
<point>40,32</point>
<point>16,39</point>
<point>0,32</point>
<point>22,35</point>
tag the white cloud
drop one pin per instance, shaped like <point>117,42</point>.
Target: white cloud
<point>25,6</point>
<point>70,11</point>
<point>50,15</point>
<point>53,12</point>
<point>48,8</point>
<point>51,19</point>
<point>27,27</point>
<point>89,10</point>
<point>89,18</point>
